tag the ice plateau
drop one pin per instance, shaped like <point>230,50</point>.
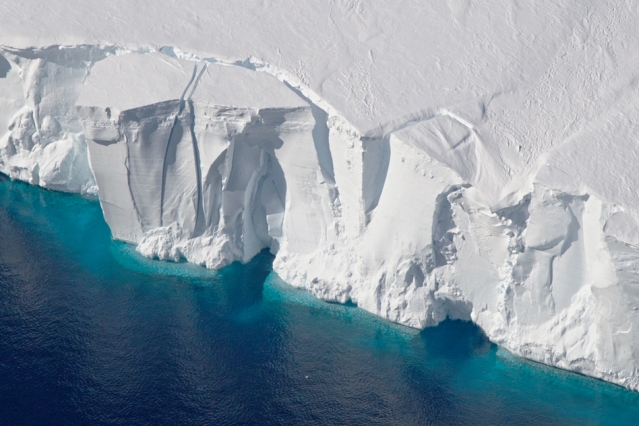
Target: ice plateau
<point>424,160</point>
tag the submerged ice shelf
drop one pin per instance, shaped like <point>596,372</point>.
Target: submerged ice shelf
<point>477,209</point>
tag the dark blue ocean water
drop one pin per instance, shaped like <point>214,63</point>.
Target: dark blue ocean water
<point>91,333</point>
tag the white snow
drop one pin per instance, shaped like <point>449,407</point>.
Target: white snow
<point>470,159</point>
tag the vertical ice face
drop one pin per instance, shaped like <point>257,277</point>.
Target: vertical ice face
<point>220,162</point>
<point>41,139</point>
<point>132,118</point>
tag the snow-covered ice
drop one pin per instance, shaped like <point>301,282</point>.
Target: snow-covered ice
<point>469,159</point>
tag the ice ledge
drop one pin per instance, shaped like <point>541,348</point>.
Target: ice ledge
<point>416,224</point>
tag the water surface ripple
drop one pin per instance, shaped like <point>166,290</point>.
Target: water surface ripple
<point>91,333</point>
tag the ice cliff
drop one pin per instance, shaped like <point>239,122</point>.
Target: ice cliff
<point>491,178</point>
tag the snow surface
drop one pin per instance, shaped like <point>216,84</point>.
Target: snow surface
<point>470,159</point>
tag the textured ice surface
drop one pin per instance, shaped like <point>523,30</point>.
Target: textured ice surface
<point>466,159</point>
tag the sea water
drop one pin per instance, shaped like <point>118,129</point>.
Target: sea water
<point>93,333</point>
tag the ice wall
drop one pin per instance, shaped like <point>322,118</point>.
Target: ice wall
<point>213,161</point>
<point>214,165</point>
<point>41,139</point>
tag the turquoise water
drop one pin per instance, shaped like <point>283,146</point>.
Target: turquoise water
<point>92,333</point>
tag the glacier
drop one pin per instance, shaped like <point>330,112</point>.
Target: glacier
<point>471,160</point>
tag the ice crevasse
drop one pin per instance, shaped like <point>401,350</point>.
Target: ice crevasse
<point>214,161</point>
